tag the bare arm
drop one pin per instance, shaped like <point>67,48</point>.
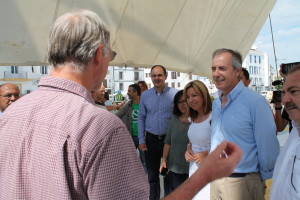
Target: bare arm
<point>279,121</point>
<point>215,166</point>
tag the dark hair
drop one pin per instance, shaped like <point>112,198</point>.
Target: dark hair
<point>294,69</point>
<point>164,69</point>
<point>136,88</point>
<point>176,110</point>
<point>236,57</point>
<point>201,90</point>
<point>246,73</point>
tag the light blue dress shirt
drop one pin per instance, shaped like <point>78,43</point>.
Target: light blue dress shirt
<point>155,112</point>
<point>247,121</point>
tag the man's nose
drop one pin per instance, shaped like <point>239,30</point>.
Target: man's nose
<point>286,98</point>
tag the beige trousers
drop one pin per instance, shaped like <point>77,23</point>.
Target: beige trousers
<point>250,187</point>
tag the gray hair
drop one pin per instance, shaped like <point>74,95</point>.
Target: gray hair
<point>236,57</point>
<point>74,39</point>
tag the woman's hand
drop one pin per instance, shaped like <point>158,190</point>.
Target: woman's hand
<point>189,155</point>
<point>199,157</point>
<point>163,164</point>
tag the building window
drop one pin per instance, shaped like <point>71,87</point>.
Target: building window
<point>178,85</point>
<point>190,76</point>
<point>14,69</point>
<point>254,59</point>
<point>260,81</point>
<point>44,70</point>
<point>259,59</point>
<point>178,74</point>
<point>136,76</point>
<point>173,85</point>
<point>120,75</point>
<point>250,56</point>
<point>121,86</point>
<point>173,75</point>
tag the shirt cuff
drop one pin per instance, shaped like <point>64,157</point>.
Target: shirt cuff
<point>266,174</point>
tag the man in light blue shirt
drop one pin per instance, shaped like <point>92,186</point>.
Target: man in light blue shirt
<point>155,112</point>
<point>243,117</point>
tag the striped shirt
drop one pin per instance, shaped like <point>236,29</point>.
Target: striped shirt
<point>56,144</point>
<point>155,112</point>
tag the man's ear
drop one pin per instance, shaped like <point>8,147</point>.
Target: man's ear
<point>98,54</point>
<point>238,72</point>
<point>248,82</point>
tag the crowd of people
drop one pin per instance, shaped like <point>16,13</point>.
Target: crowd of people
<point>60,141</point>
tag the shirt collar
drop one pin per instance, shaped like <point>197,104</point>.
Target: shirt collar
<point>166,89</point>
<point>67,85</point>
<point>297,126</point>
<point>234,92</point>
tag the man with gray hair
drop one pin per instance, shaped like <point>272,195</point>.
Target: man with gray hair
<point>286,178</point>
<point>243,117</point>
<point>55,143</point>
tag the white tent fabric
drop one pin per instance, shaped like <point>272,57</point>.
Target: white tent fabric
<point>179,34</point>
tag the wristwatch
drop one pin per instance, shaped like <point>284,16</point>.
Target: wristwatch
<point>278,108</point>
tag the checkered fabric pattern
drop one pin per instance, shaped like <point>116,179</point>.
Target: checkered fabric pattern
<point>56,144</point>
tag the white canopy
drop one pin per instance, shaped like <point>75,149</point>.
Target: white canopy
<point>179,34</point>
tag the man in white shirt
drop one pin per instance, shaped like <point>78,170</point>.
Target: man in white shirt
<point>286,177</point>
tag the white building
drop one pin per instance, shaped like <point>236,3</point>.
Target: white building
<point>119,78</point>
<point>175,79</point>
<point>26,77</point>
<point>256,62</point>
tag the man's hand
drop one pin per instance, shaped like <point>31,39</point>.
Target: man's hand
<point>143,147</point>
<point>222,161</point>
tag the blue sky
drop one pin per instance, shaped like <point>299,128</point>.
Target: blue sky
<point>285,18</point>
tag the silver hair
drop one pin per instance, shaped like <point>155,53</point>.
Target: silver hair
<point>236,57</point>
<point>74,39</point>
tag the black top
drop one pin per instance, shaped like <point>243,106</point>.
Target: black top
<point>286,116</point>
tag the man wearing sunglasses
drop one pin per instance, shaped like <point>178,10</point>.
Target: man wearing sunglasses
<point>9,93</point>
<point>286,176</point>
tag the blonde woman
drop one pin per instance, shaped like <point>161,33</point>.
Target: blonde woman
<point>200,106</point>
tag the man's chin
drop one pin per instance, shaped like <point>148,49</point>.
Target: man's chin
<point>293,113</point>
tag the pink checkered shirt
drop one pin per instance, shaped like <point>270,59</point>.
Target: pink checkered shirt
<point>56,144</point>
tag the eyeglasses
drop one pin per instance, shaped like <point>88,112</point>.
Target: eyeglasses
<point>181,102</point>
<point>112,55</point>
<point>9,96</point>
